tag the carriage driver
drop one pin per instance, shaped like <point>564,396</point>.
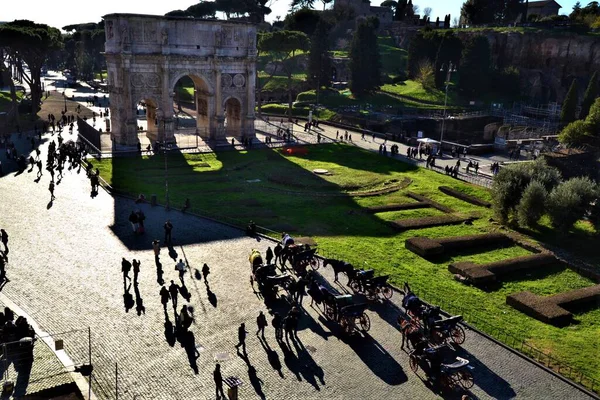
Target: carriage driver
<point>286,239</point>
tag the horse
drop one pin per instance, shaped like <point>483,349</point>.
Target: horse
<point>411,334</point>
<point>340,266</point>
<point>411,302</point>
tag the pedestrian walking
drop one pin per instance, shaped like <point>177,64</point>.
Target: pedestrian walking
<point>269,255</point>
<point>164,296</point>
<point>156,247</point>
<point>133,219</point>
<point>261,322</point>
<point>4,238</point>
<point>125,268</point>
<point>242,337</point>
<point>168,228</point>
<point>276,322</point>
<point>136,270</point>
<point>39,166</point>
<point>277,252</point>
<point>174,291</point>
<point>180,266</point>
<point>218,381</point>
<point>51,190</point>
<point>300,290</point>
<point>205,272</point>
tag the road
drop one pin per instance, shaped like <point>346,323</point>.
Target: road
<point>65,271</point>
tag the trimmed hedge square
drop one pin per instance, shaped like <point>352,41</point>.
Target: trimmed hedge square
<point>427,222</point>
<point>397,207</point>
<point>551,309</point>
<point>488,273</point>
<point>428,248</point>
<point>464,197</point>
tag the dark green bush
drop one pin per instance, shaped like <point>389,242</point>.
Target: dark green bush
<point>531,206</point>
<point>570,201</point>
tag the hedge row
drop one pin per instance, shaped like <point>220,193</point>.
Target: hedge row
<point>428,222</point>
<point>429,248</point>
<point>396,207</point>
<point>487,273</point>
<point>433,204</point>
<point>551,309</point>
<point>464,197</point>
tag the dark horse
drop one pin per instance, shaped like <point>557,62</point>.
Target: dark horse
<point>340,266</point>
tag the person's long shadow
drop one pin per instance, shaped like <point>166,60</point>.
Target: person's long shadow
<point>255,381</point>
<point>172,252</point>
<point>139,302</point>
<point>212,298</point>
<point>188,342</point>
<point>127,297</point>
<point>379,361</point>
<point>169,330</point>
<point>272,356</point>
<point>309,368</point>
<point>185,293</point>
<point>159,271</point>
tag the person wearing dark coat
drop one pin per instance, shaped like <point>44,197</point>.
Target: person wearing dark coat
<point>269,255</point>
<point>218,382</point>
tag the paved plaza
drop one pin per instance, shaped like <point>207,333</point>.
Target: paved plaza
<point>65,271</point>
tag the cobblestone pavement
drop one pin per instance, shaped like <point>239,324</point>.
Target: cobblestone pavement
<point>64,266</point>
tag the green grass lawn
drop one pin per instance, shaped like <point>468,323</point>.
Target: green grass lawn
<point>393,58</point>
<point>415,91</point>
<point>6,101</point>
<point>226,184</point>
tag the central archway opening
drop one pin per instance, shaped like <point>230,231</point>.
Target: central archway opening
<point>146,121</point>
<point>192,106</point>
<point>233,117</point>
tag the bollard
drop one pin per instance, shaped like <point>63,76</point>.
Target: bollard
<point>153,200</point>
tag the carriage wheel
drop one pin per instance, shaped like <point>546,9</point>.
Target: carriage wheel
<point>458,335</point>
<point>345,325</point>
<point>328,310</point>
<point>465,378</point>
<point>315,263</point>
<point>447,382</point>
<point>387,292</point>
<point>365,322</point>
<point>414,363</point>
<point>354,285</point>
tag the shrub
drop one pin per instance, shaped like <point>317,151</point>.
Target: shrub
<point>510,183</point>
<point>426,75</point>
<point>530,208</point>
<point>574,134</point>
<point>570,201</point>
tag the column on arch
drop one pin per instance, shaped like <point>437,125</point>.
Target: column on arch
<point>250,101</point>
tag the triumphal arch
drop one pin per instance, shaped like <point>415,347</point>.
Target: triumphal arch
<point>147,55</point>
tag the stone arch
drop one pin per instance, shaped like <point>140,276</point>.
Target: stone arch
<point>203,103</point>
<point>147,115</point>
<point>233,115</point>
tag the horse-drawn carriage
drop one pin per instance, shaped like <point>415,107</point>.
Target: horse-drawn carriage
<point>300,257</point>
<point>428,320</point>
<point>365,282</point>
<point>267,277</point>
<point>442,366</point>
<point>343,309</point>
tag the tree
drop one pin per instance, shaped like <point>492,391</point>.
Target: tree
<point>479,12</point>
<point>427,12</point>
<point>400,12</point>
<point>410,10</point>
<point>426,75</point>
<point>204,9</point>
<point>304,20</point>
<point>365,61</point>
<point>319,61</point>
<point>475,66</point>
<point>300,4</point>
<point>569,106</point>
<point>593,119</point>
<point>530,208</point>
<point>282,45</point>
<point>570,201</point>
<point>591,93</point>
<point>574,134</point>
<point>28,43</point>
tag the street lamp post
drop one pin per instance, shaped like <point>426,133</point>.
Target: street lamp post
<point>448,76</point>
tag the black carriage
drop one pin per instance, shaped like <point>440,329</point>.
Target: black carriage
<point>441,364</point>
<point>349,314</point>
<point>267,277</point>
<point>371,286</point>
<point>301,257</point>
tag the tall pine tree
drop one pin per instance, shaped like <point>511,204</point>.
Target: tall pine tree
<point>365,62</point>
<point>569,107</point>
<point>590,95</point>
<point>319,62</point>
